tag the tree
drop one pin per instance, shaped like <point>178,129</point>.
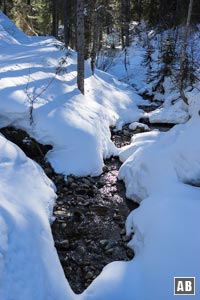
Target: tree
<point>65,22</point>
<point>125,20</point>
<point>80,44</point>
<point>41,14</point>
<point>95,40</point>
<point>54,18</point>
<point>4,7</point>
<point>184,54</point>
<point>21,12</point>
<point>97,28</point>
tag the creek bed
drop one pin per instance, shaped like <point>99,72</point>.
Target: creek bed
<point>89,230</point>
<point>90,212</point>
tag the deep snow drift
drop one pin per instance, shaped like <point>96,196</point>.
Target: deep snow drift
<point>159,170</point>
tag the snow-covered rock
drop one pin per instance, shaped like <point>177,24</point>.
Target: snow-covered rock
<point>136,125</point>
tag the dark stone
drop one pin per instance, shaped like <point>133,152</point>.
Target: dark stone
<point>89,275</point>
<point>63,225</point>
<point>126,238</point>
<point>86,181</point>
<point>105,169</point>
<point>130,253</point>
<point>90,193</point>
<point>144,120</point>
<point>81,191</point>
<point>99,209</point>
<point>103,243</point>
<point>109,251</point>
<point>63,245</point>
<point>80,250</point>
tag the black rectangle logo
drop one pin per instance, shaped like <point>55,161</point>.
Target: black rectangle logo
<point>184,285</point>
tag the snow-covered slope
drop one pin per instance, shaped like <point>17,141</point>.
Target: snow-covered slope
<point>77,126</point>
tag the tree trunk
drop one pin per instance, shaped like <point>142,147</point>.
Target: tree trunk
<point>95,40</point>
<point>139,8</point>
<point>184,54</point>
<point>54,18</point>
<point>80,45</point>
<point>65,23</point>
<point>4,7</point>
<point>125,20</point>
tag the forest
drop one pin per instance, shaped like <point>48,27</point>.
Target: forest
<point>109,24</point>
<point>99,149</point>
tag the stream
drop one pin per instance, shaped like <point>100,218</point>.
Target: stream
<point>90,212</point>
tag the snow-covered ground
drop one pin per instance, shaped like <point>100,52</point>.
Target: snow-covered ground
<point>76,126</point>
<point>160,170</point>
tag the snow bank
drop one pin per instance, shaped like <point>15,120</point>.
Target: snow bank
<point>159,171</point>
<point>29,266</point>
<point>178,159</point>
<point>173,110</point>
<point>76,126</point>
<point>137,142</point>
<point>175,114</point>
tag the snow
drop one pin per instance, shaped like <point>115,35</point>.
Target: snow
<point>26,243</point>
<point>160,170</point>
<point>76,126</point>
<point>144,78</point>
<point>136,125</point>
<point>174,114</point>
<point>178,157</point>
<point>137,142</point>
<point>173,110</point>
